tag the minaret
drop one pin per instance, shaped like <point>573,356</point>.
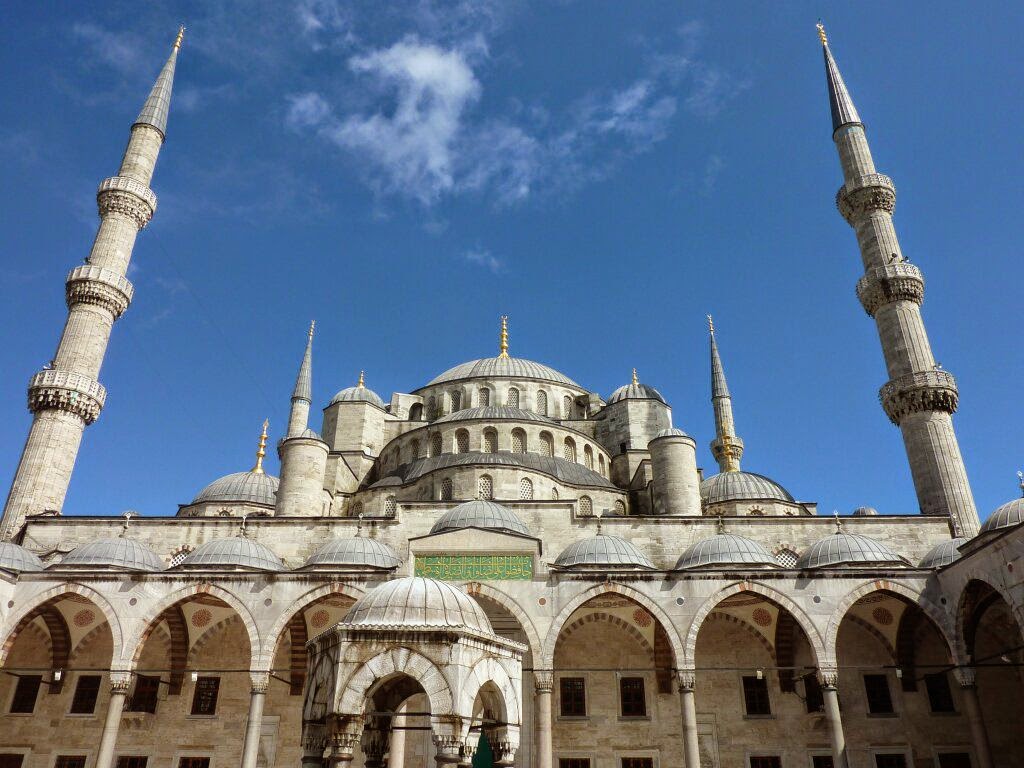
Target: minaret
<point>727,448</point>
<point>302,395</point>
<point>66,395</point>
<point>919,397</point>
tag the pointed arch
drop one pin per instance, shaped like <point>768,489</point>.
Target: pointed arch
<point>60,642</point>
<point>280,625</point>
<point>179,643</point>
<point>395,662</point>
<point>474,588</point>
<point>489,671</point>
<point>964,610</point>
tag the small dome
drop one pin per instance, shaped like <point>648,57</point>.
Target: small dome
<point>121,552</point>
<point>249,487</point>
<point>503,367</point>
<point>358,395</point>
<point>310,434</point>
<point>943,553</point>
<point>494,413</point>
<point>865,512</point>
<point>1006,516</point>
<point>18,559</point>
<point>415,602</point>
<point>480,513</point>
<point>847,549</point>
<point>673,432</point>
<point>232,552</point>
<point>602,551</point>
<point>725,549</point>
<point>357,551</point>
<point>741,486</point>
<point>635,391</point>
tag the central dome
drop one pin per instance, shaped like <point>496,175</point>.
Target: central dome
<point>417,602</point>
<point>503,367</point>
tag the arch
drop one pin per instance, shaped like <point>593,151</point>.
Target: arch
<point>19,618</point>
<point>416,412</point>
<point>474,588</point>
<point>488,671</point>
<point>965,610</point>
<point>615,621</point>
<point>600,464</point>
<point>60,641</point>
<point>400,661</point>
<point>547,658</point>
<point>751,630</point>
<point>179,641</point>
<point>773,595</point>
<point>299,604</point>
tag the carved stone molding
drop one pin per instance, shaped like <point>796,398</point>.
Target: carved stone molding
<point>120,682</point>
<point>449,747</point>
<point>102,287</point>
<point>686,679</point>
<point>865,195</point>
<point>67,391</point>
<point>917,392</point>
<point>543,680</point>
<point>966,676</point>
<point>120,194</point>
<point>893,282</point>
<point>828,677</point>
<point>260,681</point>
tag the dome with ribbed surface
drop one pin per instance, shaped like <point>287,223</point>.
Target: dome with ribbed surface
<point>865,512</point>
<point>602,551</point>
<point>414,601</point>
<point>122,552</point>
<point>249,487</point>
<point>1006,516</point>
<point>480,513</point>
<point>358,395</point>
<point>673,432</point>
<point>635,391</point>
<point>503,367</point>
<point>725,549</point>
<point>847,549</point>
<point>943,553</point>
<point>741,486</point>
<point>233,552</point>
<point>354,552</point>
<point>494,413</point>
<point>18,559</point>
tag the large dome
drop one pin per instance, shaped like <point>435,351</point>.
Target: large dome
<point>725,549</point>
<point>1006,516</point>
<point>943,553</point>
<point>250,487</point>
<point>503,367</point>
<point>562,470</point>
<point>602,551</point>
<point>233,552</point>
<point>480,513</point>
<point>357,551</point>
<point>121,552</point>
<point>847,549</point>
<point>415,602</point>
<point>18,559</point>
<point>741,486</point>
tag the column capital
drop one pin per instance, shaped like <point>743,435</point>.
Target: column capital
<point>543,680</point>
<point>260,681</point>
<point>966,676</point>
<point>686,679</point>
<point>120,681</point>
<point>828,677</point>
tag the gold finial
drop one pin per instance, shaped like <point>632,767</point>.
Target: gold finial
<point>312,325</point>
<point>362,380</point>
<point>636,379</point>
<point>181,34</point>
<point>503,348</point>
<point>821,33</point>
<point>711,325</point>
<point>262,450</point>
<point>1020,482</point>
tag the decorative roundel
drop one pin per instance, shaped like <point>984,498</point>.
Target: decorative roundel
<point>84,618</point>
<point>762,617</point>
<point>320,618</point>
<point>542,601</point>
<point>642,617</point>
<point>201,618</point>
<point>883,616</point>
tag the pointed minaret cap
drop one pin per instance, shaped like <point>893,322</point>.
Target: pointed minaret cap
<point>719,388</point>
<point>304,381</point>
<point>843,110</point>
<point>262,450</point>
<point>154,111</point>
<point>503,340</point>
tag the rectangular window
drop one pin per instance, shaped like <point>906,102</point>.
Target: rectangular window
<point>194,762</point>
<point>822,761</point>
<point>69,761</point>
<point>891,761</point>
<point>879,699</point>
<point>572,693</point>
<point>638,762</point>
<point>634,703</point>
<point>574,762</point>
<point>132,761</point>
<point>144,697</point>
<point>954,760</point>
<point>940,697</point>
<point>25,694</point>
<point>814,699</point>
<point>204,700</point>
<point>87,689</point>
<point>765,761</point>
<point>11,761</point>
<point>755,696</point>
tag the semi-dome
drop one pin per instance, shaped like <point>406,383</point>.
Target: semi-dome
<point>865,512</point>
<point>494,413</point>
<point>671,432</point>
<point>503,367</point>
<point>725,549</point>
<point>602,551</point>
<point>249,487</point>
<point>480,513</point>
<point>18,559</point>
<point>741,486</point>
<point>414,601</point>
<point>355,552</point>
<point>943,553</point>
<point>233,552</point>
<point>1006,516</point>
<point>635,391</point>
<point>842,548</point>
<point>122,552</point>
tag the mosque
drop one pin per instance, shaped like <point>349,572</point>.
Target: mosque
<point>501,567</point>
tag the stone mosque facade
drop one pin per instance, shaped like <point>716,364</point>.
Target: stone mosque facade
<point>503,568</point>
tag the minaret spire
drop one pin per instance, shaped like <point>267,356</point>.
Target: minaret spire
<point>66,396</point>
<point>503,341</point>
<point>727,448</point>
<point>302,395</point>
<point>919,397</point>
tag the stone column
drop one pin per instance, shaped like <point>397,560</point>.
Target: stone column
<point>257,697</point>
<point>543,681</point>
<point>972,708</point>
<point>120,684</point>
<point>688,705</point>
<point>829,679</point>
<point>396,747</point>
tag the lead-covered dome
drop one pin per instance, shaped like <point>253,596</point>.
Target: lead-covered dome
<point>248,487</point>
<point>943,553</point>
<point>671,432</point>
<point>865,512</point>
<point>1006,516</point>
<point>843,548</point>
<point>122,552</point>
<point>358,394</point>
<point>18,559</point>
<point>725,549</point>
<point>480,513</point>
<point>635,391</point>
<point>494,413</point>
<point>354,552</point>
<point>233,552</point>
<point>741,486</point>
<point>414,601</point>
<point>503,367</point>
<point>602,551</point>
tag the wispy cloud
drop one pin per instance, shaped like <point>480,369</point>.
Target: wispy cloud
<point>484,258</point>
<point>119,50</point>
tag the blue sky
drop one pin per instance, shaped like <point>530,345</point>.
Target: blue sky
<point>604,173</point>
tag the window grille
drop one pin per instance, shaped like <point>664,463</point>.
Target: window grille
<point>490,441</point>
<point>547,444</point>
<point>525,489</point>
<point>755,695</point>
<point>390,506</point>
<point>586,506</point>
<point>620,508</point>
<point>588,457</point>
<point>414,450</point>
<point>456,399</point>
<point>486,487</point>
<point>357,509</point>
<point>569,451</point>
<point>435,444</point>
<point>631,697</point>
<point>204,699</point>
<point>518,441</point>
<point>144,697</point>
<point>572,695</point>
<point>484,397</point>
<point>554,493</point>
<point>542,403</point>
<point>787,558</point>
<point>180,554</point>
<point>431,408</point>
<point>600,464</point>
<point>446,489</point>
<point>462,441</point>
<point>513,398</point>
<point>566,407</point>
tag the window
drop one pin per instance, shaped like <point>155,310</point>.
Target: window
<point>357,509</point>
<point>638,762</point>
<point>542,403</point>
<point>194,762</point>
<point>144,698</point>
<point>822,761</point>
<point>416,412</point>
<point>518,441</point>
<point>446,489</point>
<point>87,690</point>
<point>431,408</point>
<point>572,696</point>
<point>600,464</point>
<point>940,698</point>
<point>620,508</point>
<point>586,506</point>
<point>390,506</point>
<point>15,761</point>
<point>891,760</point>
<point>566,407</point>
<point>69,761</point>
<point>876,687</point>
<point>485,487</point>
<point>574,762</point>
<point>547,444</point>
<point>554,493</point>
<point>436,445</point>
<point>512,401</point>
<point>765,761</point>
<point>812,694</point>
<point>132,761</point>
<point>954,760</point>
<point>755,697</point>
<point>462,441</point>
<point>631,697</point>
<point>490,441</point>
<point>569,450</point>
<point>204,699</point>
<point>414,450</point>
<point>483,397</point>
<point>25,694</point>
<point>456,400</point>
<point>178,555</point>
<point>787,558</point>
<point>525,489</point>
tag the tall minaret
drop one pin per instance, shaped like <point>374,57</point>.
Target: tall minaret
<point>919,397</point>
<point>727,448</point>
<point>302,395</point>
<point>66,396</point>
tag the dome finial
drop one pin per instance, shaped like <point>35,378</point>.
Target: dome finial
<point>1020,482</point>
<point>711,325</point>
<point>503,345</point>
<point>181,35</point>
<point>821,33</point>
<point>721,525</point>
<point>262,450</point>
<point>362,380</point>
<point>636,379</point>
<point>241,525</point>
<point>839,523</point>
<point>127,515</point>
<point>312,326</point>
<point>359,524</point>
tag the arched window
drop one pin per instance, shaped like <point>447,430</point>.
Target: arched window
<point>547,444</point>
<point>518,441</point>
<point>542,403</point>
<point>586,506</point>
<point>462,441</point>
<point>490,441</point>
<point>357,509</point>
<point>416,412</point>
<point>431,408</point>
<point>588,456</point>
<point>483,397</point>
<point>787,557</point>
<point>620,508</point>
<point>569,449</point>
<point>525,489</point>
<point>600,464</point>
<point>446,489</point>
<point>436,445</point>
<point>456,400</point>
<point>414,450</point>
<point>566,407</point>
<point>390,506</point>
<point>180,554</point>
<point>512,401</point>
<point>554,493</point>
<point>485,487</point>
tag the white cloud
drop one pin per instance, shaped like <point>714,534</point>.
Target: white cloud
<point>306,110</point>
<point>120,51</point>
<point>482,257</point>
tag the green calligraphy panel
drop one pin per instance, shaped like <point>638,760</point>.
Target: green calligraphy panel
<point>475,567</point>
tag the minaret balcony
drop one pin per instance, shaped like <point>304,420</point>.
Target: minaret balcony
<point>121,194</point>
<point>89,284</point>
<point>67,391</point>
<point>918,392</point>
<point>892,282</point>
<point>865,195</point>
